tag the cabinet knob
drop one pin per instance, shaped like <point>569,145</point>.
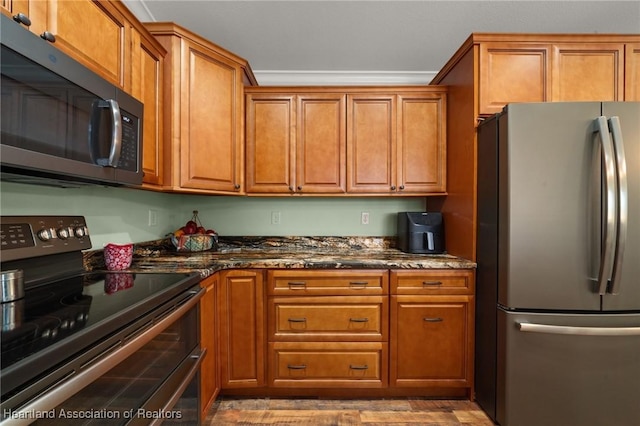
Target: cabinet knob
<point>300,188</point>
<point>401,187</point>
<point>23,19</point>
<point>393,187</point>
<point>436,319</point>
<point>236,186</point>
<point>48,36</point>
<point>291,188</point>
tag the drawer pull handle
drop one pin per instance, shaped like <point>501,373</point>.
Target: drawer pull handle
<point>297,285</point>
<point>436,319</point>
<point>431,283</point>
<point>359,284</point>
<point>296,367</point>
<point>359,367</point>
<point>297,320</point>
<point>359,319</point>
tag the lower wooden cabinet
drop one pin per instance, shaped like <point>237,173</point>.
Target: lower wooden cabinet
<point>431,342</point>
<point>209,378</point>
<point>391,332</point>
<point>328,365</point>
<point>242,341</point>
<point>431,329</point>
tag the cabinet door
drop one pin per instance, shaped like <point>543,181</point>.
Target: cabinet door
<point>321,144</point>
<point>209,380</point>
<point>512,73</point>
<point>146,85</point>
<point>588,72</point>
<point>632,72</point>
<point>431,341</point>
<point>242,329</point>
<point>371,143</point>
<point>93,32</point>
<point>421,143</point>
<point>210,108</point>
<point>270,134</point>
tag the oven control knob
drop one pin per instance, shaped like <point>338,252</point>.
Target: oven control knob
<point>80,231</point>
<point>45,234</point>
<point>63,233</point>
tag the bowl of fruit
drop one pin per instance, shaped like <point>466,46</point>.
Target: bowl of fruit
<point>193,237</point>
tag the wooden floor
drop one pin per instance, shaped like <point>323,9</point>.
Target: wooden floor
<point>402,411</point>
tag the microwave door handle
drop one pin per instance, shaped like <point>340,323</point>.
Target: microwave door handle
<point>116,134</point>
<point>609,208</point>
<point>623,203</point>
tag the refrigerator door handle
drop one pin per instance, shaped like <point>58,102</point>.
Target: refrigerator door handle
<point>623,203</point>
<point>609,208</point>
<point>579,331</point>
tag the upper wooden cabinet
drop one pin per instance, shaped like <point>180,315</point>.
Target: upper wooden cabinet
<point>549,67</point>
<point>396,143</point>
<point>203,113</point>
<point>632,72</point>
<point>295,143</point>
<point>346,140</point>
<point>491,70</point>
<point>93,32</point>
<point>146,84</point>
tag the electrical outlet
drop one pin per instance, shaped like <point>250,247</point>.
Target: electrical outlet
<point>364,218</point>
<point>275,218</point>
<point>153,217</point>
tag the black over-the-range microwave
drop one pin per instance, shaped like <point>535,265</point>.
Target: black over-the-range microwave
<point>62,124</point>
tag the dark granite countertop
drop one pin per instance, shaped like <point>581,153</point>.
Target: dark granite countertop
<point>282,252</point>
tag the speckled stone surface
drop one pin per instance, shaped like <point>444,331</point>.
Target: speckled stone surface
<point>282,252</point>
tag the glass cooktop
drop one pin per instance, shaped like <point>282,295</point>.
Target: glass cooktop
<point>80,309</point>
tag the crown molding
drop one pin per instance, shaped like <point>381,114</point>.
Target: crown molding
<point>342,78</point>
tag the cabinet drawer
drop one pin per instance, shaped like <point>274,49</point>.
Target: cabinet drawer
<point>361,318</point>
<point>439,281</point>
<point>330,282</point>
<point>361,365</point>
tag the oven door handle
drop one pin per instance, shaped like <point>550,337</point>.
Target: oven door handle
<point>69,387</point>
<point>159,403</point>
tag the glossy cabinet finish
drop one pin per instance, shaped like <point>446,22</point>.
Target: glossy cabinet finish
<point>147,78</point>
<point>209,378</point>
<point>242,342</point>
<point>328,365</point>
<point>378,140</point>
<point>431,329</point>
<point>203,113</point>
<point>396,143</point>
<point>324,331</point>
<point>295,143</point>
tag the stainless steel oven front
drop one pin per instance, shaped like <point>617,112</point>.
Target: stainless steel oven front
<point>146,373</point>
<point>94,347</point>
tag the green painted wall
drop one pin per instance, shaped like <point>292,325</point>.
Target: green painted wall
<point>122,215</point>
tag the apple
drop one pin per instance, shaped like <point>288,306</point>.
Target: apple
<point>200,230</point>
<point>190,228</point>
<point>210,232</point>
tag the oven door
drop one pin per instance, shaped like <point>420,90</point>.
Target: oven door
<point>149,376</point>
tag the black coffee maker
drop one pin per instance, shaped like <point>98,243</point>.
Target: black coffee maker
<point>420,232</point>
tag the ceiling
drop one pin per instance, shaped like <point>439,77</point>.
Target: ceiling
<point>406,40</point>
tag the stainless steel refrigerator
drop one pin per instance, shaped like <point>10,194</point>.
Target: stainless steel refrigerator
<point>558,278</point>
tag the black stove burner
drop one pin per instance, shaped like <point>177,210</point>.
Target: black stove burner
<point>49,314</point>
<point>65,316</point>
